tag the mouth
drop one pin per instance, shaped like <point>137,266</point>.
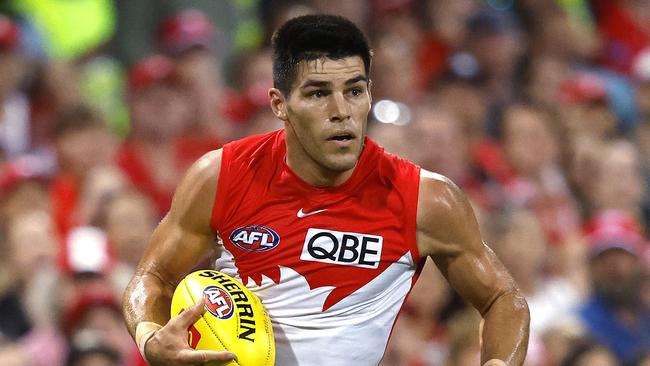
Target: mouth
<point>342,136</point>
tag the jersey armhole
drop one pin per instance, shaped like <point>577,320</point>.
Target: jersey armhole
<point>223,182</point>
<point>411,218</point>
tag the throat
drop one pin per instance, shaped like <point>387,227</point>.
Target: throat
<point>315,174</point>
<point>311,171</point>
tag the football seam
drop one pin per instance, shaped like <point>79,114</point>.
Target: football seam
<point>267,323</point>
<point>270,340</point>
<point>208,323</point>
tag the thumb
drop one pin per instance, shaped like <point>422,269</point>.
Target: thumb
<point>190,315</point>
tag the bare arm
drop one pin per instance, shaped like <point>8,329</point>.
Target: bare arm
<point>448,232</point>
<point>182,239</point>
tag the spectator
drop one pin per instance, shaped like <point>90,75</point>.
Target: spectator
<point>643,360</point>
<point>23,183</point>
<point>551,298</point>
<point>422,332</point>
<point>14,105</point>
<point>254,76</point>
<point>559,342</point>
<point>88,351</point>
<point>189,38</point>
<point>468,104</point>
<point>444,31</point>
<point>614,315</point>
<point>585,110</point>
<point>586,353</point>
<point>561,31</point>
<point>83,143</point>
<point>530,145</point>
<point>624,30</point>
<point>494,41</point>
<point>464,348</point>
<point>95,315</point>
<point>618,183</point>
<point>436,139</point>
<point>154,156</point>
<point>517,238</point>
<point>545,76</point>
<point>128,217</point>
<point>28,304</point>
<point>641,77</point>
<point>395,70</point>
<point>54,91</point>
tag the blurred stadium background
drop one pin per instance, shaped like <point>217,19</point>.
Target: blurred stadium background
<point>538,109</point>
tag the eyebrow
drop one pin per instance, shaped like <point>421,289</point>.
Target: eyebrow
<point>315,83</point>
<point>356,79</point>
<point>322,84</point>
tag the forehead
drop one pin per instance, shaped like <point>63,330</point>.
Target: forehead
<point>327,69</point>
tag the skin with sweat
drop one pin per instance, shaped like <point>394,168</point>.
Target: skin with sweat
<point>325,118</point>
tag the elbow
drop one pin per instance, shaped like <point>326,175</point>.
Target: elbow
<point>515,305</point>
<point>519,303</point>
<point>520,306</point>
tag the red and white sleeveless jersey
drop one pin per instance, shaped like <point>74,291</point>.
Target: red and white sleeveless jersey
<point>331,265</point>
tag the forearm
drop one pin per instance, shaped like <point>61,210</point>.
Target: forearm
<point>505,330</point>
<point>147,299</point>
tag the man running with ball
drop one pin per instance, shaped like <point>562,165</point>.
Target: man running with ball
<point>324,226</point>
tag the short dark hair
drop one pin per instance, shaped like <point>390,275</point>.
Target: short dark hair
<point>311,37</point>
<point>76,118</point>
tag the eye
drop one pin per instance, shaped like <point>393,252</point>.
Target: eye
<point>317,94</point>
<point>356,92</point>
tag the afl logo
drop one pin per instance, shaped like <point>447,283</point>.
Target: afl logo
<point>218,302</point>
<point>254,238</point>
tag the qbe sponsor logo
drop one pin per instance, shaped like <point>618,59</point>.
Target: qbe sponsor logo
<point>218,302</point>
<point>344,248</point>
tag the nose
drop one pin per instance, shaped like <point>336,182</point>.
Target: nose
<point>339,108</point>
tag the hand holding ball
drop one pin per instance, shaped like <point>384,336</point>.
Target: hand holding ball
<point>234,320</point>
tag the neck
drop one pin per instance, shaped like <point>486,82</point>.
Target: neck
<point>311,171</point>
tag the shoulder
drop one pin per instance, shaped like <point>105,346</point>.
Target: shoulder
<point>205,169</point>
<point>445,219</point>
<point>195,194</point>
<point>439,197</point>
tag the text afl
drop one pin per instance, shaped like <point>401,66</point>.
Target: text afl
<point>218,302</point>
<point>255,238</point>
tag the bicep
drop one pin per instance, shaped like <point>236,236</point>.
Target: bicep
<point>174,250</point>
<point>448,232</point>
<point>184,237</point>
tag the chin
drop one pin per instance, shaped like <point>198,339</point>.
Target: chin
<point>341,164</point>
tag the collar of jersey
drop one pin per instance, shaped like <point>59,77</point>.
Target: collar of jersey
<point>358,175</point>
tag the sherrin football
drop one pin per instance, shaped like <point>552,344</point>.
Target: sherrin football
<point>234,320</point>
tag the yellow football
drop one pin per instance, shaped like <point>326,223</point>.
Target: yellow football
<point>234,320</point>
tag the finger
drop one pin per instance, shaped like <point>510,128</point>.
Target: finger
<point>201,356</point>
<point>190,315</point>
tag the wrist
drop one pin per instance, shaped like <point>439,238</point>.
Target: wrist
<point>494,362</point>
<point>143,332</point>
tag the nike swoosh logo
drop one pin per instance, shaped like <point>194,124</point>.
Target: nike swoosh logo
<point>302,214</point>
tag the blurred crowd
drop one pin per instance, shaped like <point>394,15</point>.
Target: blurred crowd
<point>538,109</point>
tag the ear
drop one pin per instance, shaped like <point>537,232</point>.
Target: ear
<point>370,90</point>
<point>278,103</point>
